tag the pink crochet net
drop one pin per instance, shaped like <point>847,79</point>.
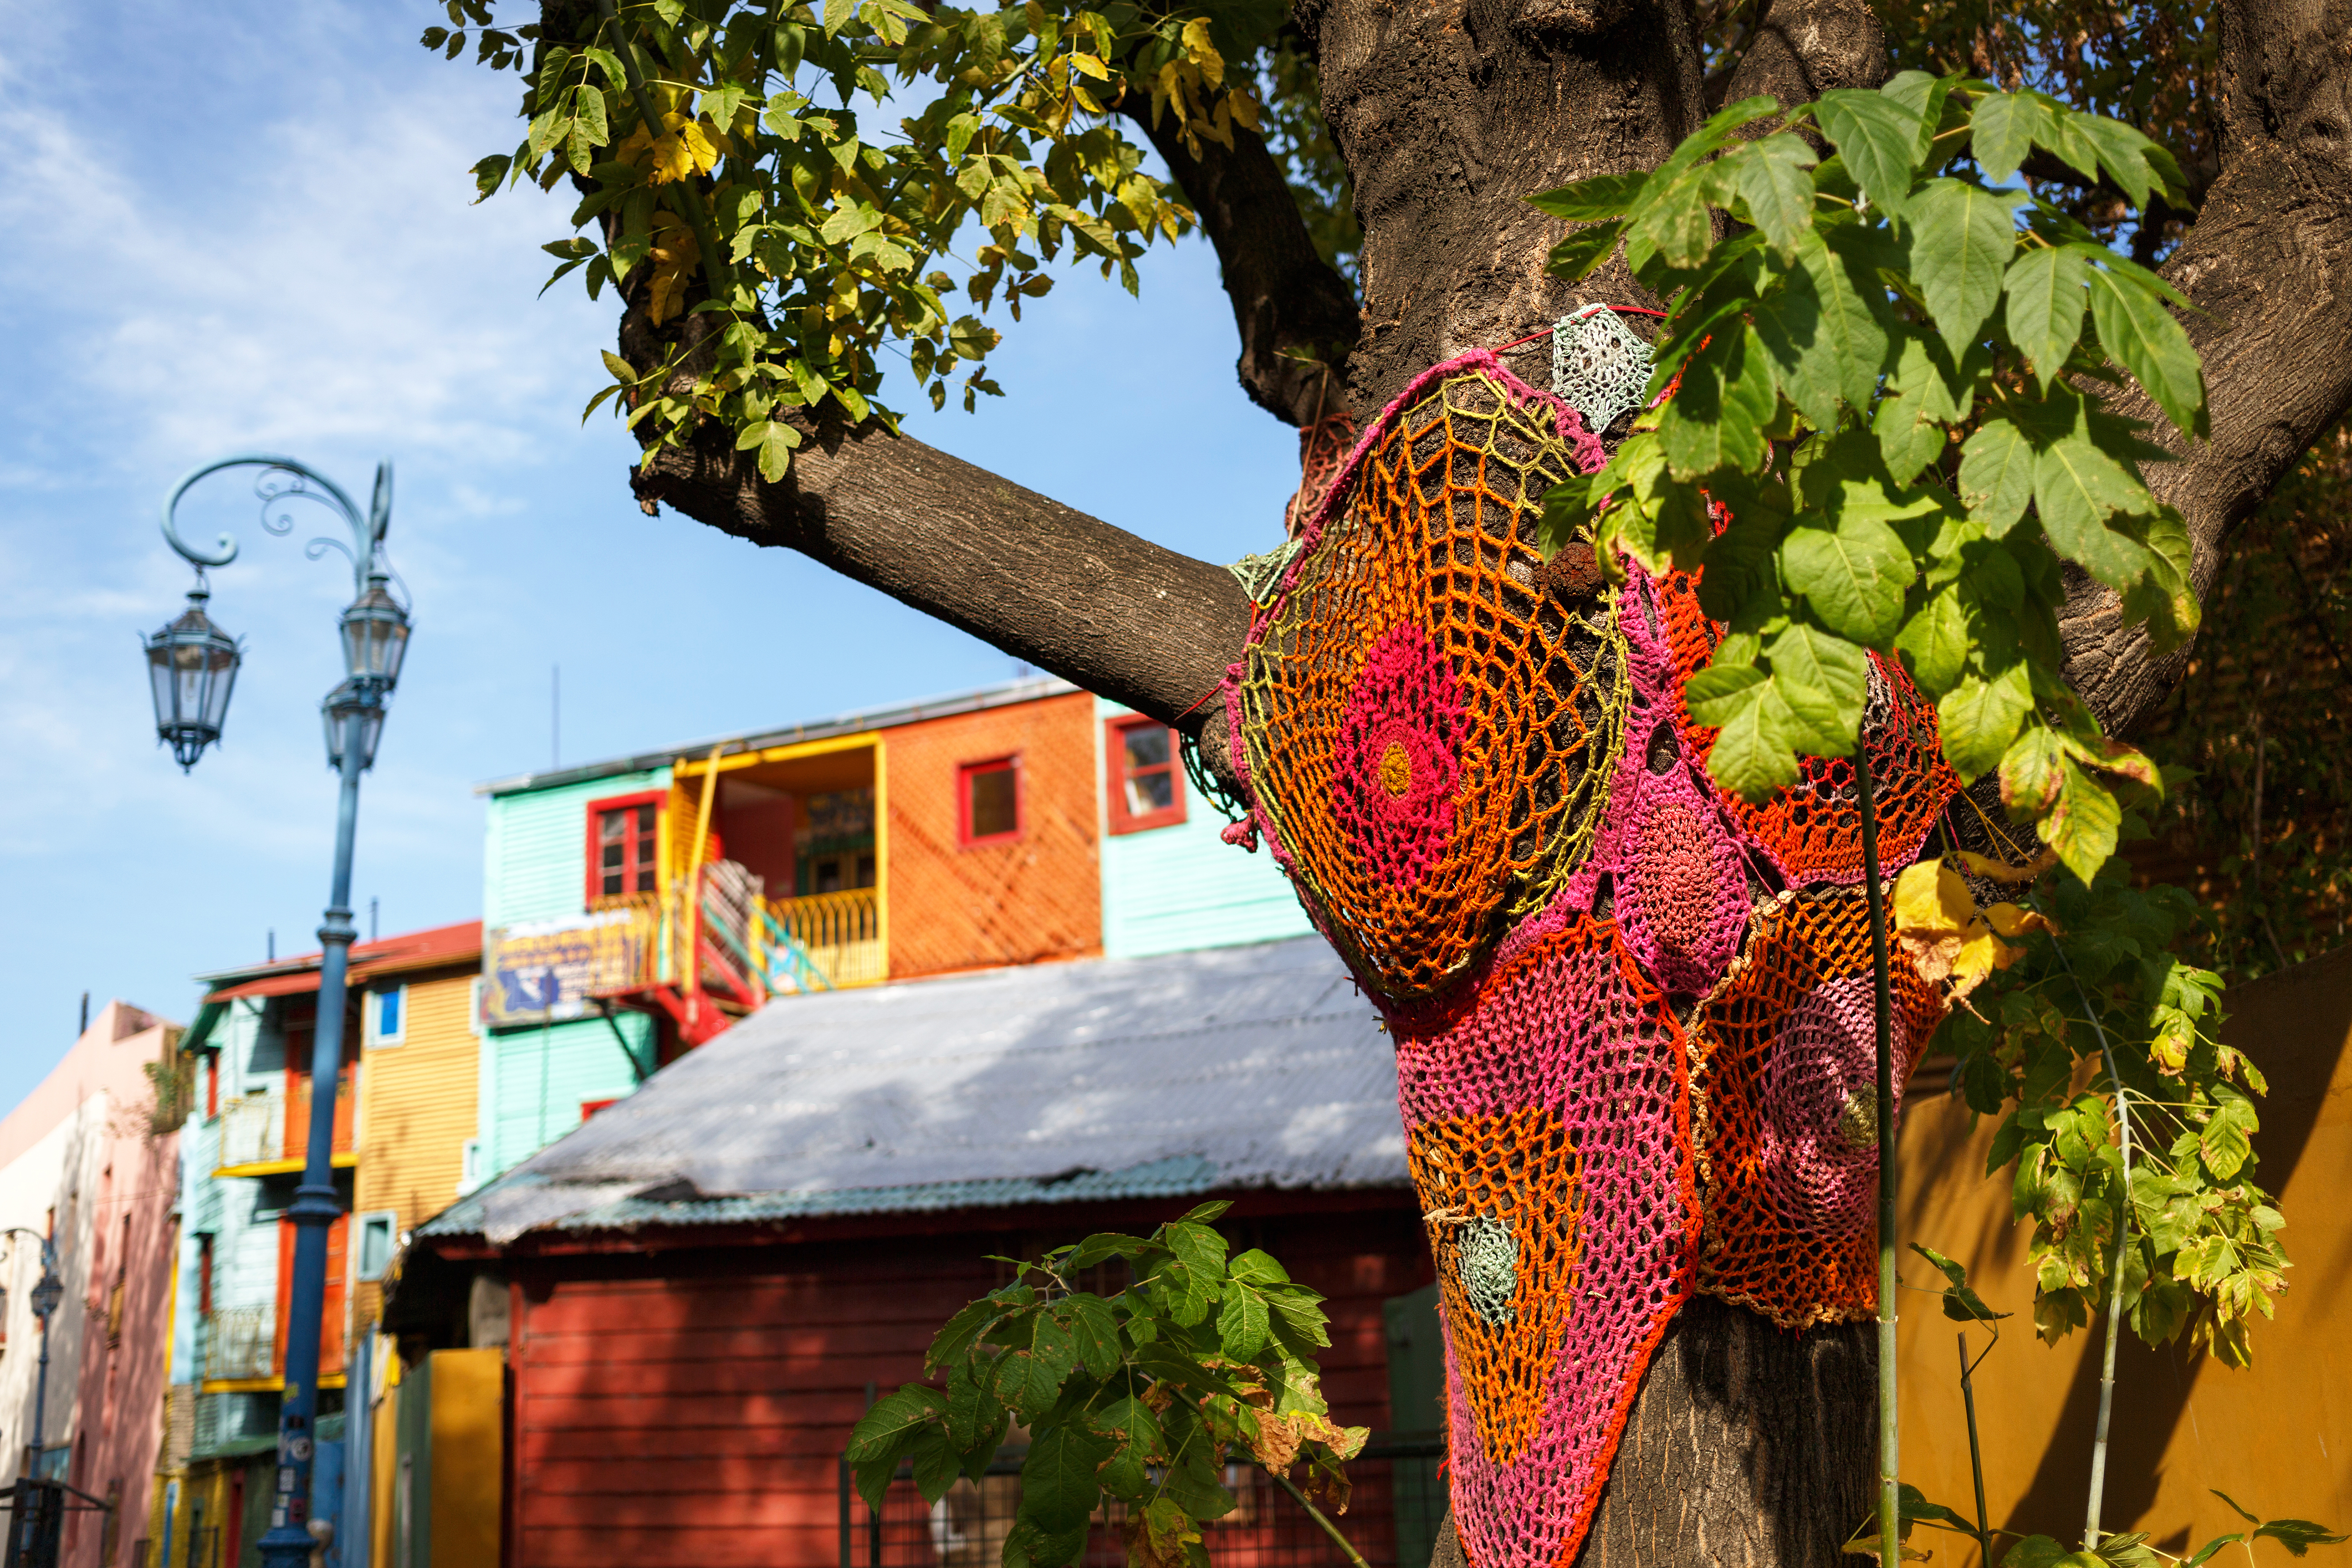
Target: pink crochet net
<point>1548,1126</point>
<point>1397,757</point>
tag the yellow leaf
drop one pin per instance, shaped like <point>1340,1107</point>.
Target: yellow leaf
<point>1203,52</point>
<point>1091,66</point>
<point>675,257</point>
<point>1931,900</point>
<point>2013,922</point>
<point>1993,870</point>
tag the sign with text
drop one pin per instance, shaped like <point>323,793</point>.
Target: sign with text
<point>546,971</point>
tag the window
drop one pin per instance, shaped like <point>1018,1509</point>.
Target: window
<point>212,1085</point>
<point>988,799</point>
<point>387,1015</point>
<point>469,1165</point>
<point>378,1232</point>
<point>589,1108</point>
<point>204,1271</point>
<point>624,840</point>
<point>1146,776</point>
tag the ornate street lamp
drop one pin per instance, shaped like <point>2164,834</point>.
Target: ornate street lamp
<point>45,1298</point>
<point>191,664</point>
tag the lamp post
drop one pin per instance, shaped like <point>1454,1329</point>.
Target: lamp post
<point>47,1294</point>
<point>191,664</point>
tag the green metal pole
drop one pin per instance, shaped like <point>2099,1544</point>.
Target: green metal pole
<point>1890,1539</point>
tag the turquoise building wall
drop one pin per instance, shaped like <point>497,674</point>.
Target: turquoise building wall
<point>1174,888</point>
<point>535,1078</point>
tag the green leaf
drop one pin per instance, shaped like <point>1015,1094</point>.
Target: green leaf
<point>1242,1324</point>
<point>1934,643</point>
<point>896,1421</point>
<point>2077,486</point>
<point>1853,577</point>
<point>1717,419</point>
<point>1094,1333</point>
<point>1923,93</point>
<point>1877,138</point>
<point>1199,1248</point>
<point>2001,130</point>
<point>2121,152</point>
<point>1030,1375</point>
<point>1842,265</point>
<point>1771,180</point>
<point>1961,1303</point>
<point>937,1465</point>
<point>1824,681</point>
<point>1755,750</point>
<point>2299,1535</point>
<point>1256,1267</point>
<point>2205,1553</point>
<point>1058,1488</point>
<point>2084,825</point>
<point>1789,324</point>
<point>1977,720</point>
<point>1909,436</point>
<point>838,13</point>
<point>1592,200</point>
<point>1586,248</point>
<point>2045,306</point>
<point>956,1335</point>
<point>1673,226</point>
<point>2224,1147</point>
<point>1961,242</point>
<point>1996,476</point>
<point>2235,1505</point>
<point>2034,1551</point>
<point>775,442</point>
<point>2139,333</point>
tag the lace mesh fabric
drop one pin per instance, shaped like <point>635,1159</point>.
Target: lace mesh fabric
<point>1548,1130</point>
<point>1432,726</point>
<point>1599,367</point>
<point>1479,773</point>
<point>1322,451</point>
<point>1785,1102</point>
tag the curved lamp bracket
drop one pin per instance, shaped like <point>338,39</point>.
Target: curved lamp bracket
<point>308,484</point>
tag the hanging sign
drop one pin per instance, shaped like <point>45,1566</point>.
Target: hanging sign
<point>546,971</point>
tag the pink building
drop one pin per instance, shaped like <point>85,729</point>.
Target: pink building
<point>90,1157</point>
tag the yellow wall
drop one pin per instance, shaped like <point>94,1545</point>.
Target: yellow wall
<point>468,1435</point>
<point>420,1107</point>
<point>2277,1436</point>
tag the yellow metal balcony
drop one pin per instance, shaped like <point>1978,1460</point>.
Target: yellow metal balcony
<point>826,942</point>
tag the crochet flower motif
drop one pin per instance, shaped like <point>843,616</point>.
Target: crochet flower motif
<point>1821,1106</point>
<point>1397,756</point>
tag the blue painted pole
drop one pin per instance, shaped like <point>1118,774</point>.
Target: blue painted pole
<point>316,1203</point>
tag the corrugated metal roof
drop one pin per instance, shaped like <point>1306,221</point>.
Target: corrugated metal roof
<point>1028,688</point>
<point>428,949</point>
<point>1060,1082</point>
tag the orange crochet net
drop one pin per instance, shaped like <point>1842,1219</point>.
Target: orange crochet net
<point>1811,831</point>
<point>1430,726</point>
<point>1784,1102</point>
<point>1499,1194</point>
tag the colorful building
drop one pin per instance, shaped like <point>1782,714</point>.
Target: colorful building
<point>404,1117</point>
<point>638,907</point>
<point>89,1158</point>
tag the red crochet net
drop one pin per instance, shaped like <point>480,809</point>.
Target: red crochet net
<point>1784,1097</point>
<point>1811,831</point>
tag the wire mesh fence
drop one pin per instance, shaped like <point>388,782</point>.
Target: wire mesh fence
<point>1397,1500</point>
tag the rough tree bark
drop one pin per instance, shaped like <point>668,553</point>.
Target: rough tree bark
<point>1746,1445</point>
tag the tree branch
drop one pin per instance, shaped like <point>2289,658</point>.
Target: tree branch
<point>1802,48</point>
<point>1095,605</point>
<point>1284,294</point>
<point>2269,269</point>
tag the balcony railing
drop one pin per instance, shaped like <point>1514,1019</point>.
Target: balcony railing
<point>239,1343</point>
<point>822,942</point>
<point>270,1126</point>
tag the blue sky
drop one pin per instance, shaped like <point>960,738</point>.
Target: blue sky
<point>240,227</point>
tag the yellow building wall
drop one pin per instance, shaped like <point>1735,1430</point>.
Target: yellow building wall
<point>468,1441</point>
<point>420,1108</point>
<point>2276,1436</point>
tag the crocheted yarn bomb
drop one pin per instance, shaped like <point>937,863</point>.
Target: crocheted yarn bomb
<point>1547,1116</point>
<point>1784,1100</point>
<point>1429,730</point>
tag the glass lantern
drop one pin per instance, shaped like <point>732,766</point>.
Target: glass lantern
<point>191,665</point>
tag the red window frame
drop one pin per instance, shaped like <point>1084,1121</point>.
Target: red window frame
<point>965,774</point>
<point>1116,773</point>
<point>589,1108</point>
<point>596,810</point>
<point>204,1272</point>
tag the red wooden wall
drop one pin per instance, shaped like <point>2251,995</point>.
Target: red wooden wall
<point>690,1408</point>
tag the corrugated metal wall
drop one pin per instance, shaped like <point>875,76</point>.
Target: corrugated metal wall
<point>418,1112</point>
<point>535,865</point>
<point>1037,897</point>
<point>696,1418</point>
<point>1180,888</point>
